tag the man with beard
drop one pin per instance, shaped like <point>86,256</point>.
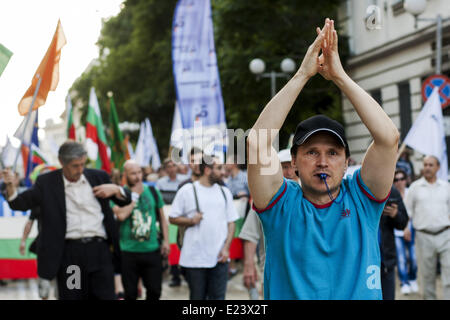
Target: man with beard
<point>428,204</point>
<point>195,158</point>
<point>142,250</point>
<point>206,210</point>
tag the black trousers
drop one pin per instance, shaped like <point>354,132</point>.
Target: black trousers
<point>145,265</point>
<point>388,283</point>
<point>207,283</point>
<point>86,272</point>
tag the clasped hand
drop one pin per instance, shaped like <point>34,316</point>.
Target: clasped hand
<point>322,55</point>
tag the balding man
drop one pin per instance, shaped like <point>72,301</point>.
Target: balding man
<point>428,204</point>
<point>142,248</point>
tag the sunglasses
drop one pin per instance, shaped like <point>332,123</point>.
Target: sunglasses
<point>399,179</point>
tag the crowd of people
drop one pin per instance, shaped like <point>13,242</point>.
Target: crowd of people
<point>318,226</point>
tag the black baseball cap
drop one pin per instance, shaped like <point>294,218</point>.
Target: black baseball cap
<point>319,123</point>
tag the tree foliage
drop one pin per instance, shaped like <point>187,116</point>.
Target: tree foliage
<point>135,61</point>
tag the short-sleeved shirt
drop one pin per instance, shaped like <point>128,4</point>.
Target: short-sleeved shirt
<point>166,184</point>
<point>202,243</point>
<point>326,251</point>
<point>128,242</point>
<point>428,204</point>
<point>252,231</point>
<point>238,183</point>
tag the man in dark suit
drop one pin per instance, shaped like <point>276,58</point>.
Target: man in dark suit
<point>78,234</point>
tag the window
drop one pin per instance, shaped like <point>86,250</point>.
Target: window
<point>376,95</point>
<point>397,7</point>
<point>404,98</point>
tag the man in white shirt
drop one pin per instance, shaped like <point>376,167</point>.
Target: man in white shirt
<point>428,203</point>
<point>77,224</point>
<point>207,210</point>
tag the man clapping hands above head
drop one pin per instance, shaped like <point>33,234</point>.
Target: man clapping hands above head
<point>322,236</point>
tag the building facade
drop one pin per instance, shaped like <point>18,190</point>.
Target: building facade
<point>390,57</point>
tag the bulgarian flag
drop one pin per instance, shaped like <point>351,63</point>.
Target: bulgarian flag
<point>70,125</point>
<point>37,157</point>
<point>119,147</point>
<point>96,142</point>
<point>12,264</point>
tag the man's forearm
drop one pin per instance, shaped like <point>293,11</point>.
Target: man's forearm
<point>182,221</point>
<point>164,225</point>
<point>249,252</point>
<point>230,235</point>
<point>26,230</point>
<point>123,213</point>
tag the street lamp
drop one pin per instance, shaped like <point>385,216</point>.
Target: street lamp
<point>257,66</point>
<point>417,7</point>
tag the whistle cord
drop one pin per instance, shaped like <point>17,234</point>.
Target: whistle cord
<point>323,176</point>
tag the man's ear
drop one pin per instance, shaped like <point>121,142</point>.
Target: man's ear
<point>345,166</point>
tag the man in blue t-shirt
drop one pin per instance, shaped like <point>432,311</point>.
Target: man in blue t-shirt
<point>321,237</point>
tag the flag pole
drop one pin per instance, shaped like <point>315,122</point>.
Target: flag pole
<point>400,150</point>
<point>26,123</point>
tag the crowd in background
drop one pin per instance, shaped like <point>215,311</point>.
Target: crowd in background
<point>397,234</point>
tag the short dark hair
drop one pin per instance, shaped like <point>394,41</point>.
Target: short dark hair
<point>207,161</point>
<point>166,162</point>
<point>71,150</point>
<point>403,172</point>
<point>195,150</point>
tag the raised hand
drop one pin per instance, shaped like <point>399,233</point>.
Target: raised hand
<point>310,63</point>
<point>329,63</point>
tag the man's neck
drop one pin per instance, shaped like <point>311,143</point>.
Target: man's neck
<point>431,180</point>
<point>138,187</point>
<point>234,172</point>
<point>204,181</point>
<point>70,180</point>
<point>173,177</point>
<point>320,199</point>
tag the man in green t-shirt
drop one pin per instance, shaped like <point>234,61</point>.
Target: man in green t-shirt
<point>142,250</point>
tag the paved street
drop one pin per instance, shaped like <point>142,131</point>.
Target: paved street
<point>27,290</point>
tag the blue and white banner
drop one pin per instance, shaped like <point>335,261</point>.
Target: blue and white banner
<point>196,74</point>
<point>7,212</point>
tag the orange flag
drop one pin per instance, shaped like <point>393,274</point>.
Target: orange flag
<point>49,72</point>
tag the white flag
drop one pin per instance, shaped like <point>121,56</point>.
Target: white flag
<point>427,134</point>
<point>176,138</point>
<point>26,138</point>
<point>9,153</point>
<point>153,153</point>
<point>140,147</point>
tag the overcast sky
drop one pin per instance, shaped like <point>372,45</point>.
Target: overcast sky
<point>26,29</point>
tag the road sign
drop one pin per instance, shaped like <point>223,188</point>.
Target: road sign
<point>441,81</point>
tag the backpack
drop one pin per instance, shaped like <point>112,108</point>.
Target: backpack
<point>158,217</point>
<point>182,229</point>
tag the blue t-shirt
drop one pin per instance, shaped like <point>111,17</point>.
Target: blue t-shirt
<point>322,251</point>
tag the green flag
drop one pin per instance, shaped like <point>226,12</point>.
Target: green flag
<point>5,54</point>
<point>116,141</point>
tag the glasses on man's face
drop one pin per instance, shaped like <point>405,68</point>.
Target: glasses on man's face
<point>399,179</point>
